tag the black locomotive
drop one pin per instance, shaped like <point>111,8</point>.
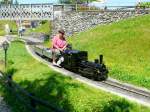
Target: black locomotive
<point>77,61</point>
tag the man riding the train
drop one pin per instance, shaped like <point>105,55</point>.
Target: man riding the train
<point>59,44</point>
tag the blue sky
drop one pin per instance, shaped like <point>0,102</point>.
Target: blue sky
<point>36,1</point>
<point>109,2</point>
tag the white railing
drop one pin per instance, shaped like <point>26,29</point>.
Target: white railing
<point>47,11</point>
<point>26,12</point>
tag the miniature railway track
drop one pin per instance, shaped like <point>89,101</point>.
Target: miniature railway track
<point>128,88</point>
<point>130,92</point>
<point>133,92</point>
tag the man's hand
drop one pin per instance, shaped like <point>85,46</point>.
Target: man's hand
<point>60,49</point>
<point>64,47</point>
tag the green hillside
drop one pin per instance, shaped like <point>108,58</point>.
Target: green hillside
<point>45,28</point>
<point>125,46</point>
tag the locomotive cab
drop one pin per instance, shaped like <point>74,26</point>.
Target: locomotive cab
<point>73,58</point>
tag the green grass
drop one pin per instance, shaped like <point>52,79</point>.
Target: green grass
<point>43,28</point>
<point>47,43</point>
<point>12,25</point>
<point>125,46</point>
<point>62,91</point>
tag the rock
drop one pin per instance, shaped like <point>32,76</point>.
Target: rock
<point>74,22</point>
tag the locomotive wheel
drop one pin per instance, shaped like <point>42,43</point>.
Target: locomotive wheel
<point>101,77</point>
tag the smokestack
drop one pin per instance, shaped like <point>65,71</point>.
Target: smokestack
<point>96,61</point>
<point>101,59</point>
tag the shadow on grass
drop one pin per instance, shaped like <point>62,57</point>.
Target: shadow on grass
<point>53,89</point>
<point>117,106</point>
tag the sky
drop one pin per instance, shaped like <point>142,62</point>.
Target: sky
<point>108,2</point>
<point>36,1</point>
<point>119,2</point>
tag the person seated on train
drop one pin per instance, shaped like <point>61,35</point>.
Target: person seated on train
<point>59,44</point>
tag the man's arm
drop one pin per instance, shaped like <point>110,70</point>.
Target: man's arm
<point>54,43</point>
<point>64,47</point>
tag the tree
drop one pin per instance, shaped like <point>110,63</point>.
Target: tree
<point>7,2</point>
<point>16,2</point>
<point>75,1</point>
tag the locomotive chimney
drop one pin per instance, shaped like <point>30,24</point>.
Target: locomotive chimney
<point>96,61</point>
<point>101,59</point>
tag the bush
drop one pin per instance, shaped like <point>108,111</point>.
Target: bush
<point>145,4</point>
<point>117,106</point>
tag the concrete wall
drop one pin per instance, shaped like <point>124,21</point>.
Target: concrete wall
<point>74,22</point>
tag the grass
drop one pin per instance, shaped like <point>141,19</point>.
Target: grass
<point>45,28</point>
<point>61,91</point>
<point>125,46</point>
<point>12,25</point>
<point>47,43</point>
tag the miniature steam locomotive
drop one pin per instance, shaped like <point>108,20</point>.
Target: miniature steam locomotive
<point>77,61</point>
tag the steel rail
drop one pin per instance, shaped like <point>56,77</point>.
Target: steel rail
<point>127,88</point>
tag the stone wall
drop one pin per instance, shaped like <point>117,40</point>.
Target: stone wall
<point>74,22</point>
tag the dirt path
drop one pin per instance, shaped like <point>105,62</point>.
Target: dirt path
<point>3,106</point>
<point>2,39</point>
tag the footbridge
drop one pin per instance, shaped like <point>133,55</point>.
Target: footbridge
<point>31,11</point>
<point>47,11</point>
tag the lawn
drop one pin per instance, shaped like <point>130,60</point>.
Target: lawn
<point>69,94</point>
<point>12,25</point>
<point>125,46</point>
<point>45,28</point>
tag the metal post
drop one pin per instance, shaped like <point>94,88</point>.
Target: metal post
<point>5,47</point>
<point>76,6</point>
<point>9,80</point>
<point>33,103</point>
<point>5,59</point>
<point>52,21</point>
<point>88,1</point>
<point>20,28</point>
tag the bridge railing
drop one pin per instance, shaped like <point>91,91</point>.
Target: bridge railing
<point>46,11</point>
<point>26,11</point>
<point>82,7</point>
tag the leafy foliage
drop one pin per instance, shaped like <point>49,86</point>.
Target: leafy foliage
<point>118,106</point>
<point>6,1</point>
<point>145,4</point>
<point>75,1</point>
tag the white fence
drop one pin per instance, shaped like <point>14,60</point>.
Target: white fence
<point>48,11</point>
<point>26,12</point>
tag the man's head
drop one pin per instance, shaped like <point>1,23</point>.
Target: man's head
<point>61,32</point>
